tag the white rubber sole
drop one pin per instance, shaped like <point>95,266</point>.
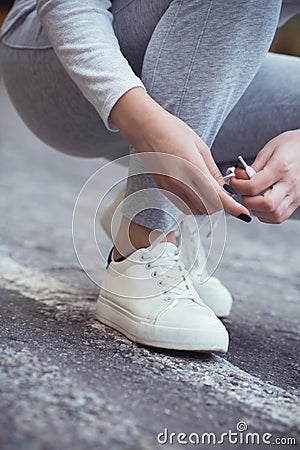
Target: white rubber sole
<point>146,333</point>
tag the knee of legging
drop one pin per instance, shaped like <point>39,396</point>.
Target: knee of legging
<point>57,113</point>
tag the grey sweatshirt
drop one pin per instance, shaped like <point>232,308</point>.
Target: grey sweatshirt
<point>82,35</point>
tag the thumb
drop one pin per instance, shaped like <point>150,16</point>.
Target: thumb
<point>264,155</point>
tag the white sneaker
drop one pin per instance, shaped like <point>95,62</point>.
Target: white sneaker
<point>148,299</point>
<point>212,292</point>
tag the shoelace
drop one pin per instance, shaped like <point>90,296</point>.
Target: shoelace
<point>171,271</point>
<point>181,289</point>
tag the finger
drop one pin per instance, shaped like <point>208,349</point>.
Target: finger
<point>261,159</point>
<point>189,206</point>
<point>234,208</point>
<point>229,204</point>
<point>209,187</point>
<point>213,168</point>
<point>264,179</point>
<point>268,172</point>
<point>184,198</point>
<point>268,202</point>
<point>282,212</point>
<point>264,155</point>
<point>291,209</point>
<point>241,173</point>
<point>192,209</point>
<point>193,201</point>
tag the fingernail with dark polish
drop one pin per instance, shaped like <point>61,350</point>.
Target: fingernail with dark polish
<point>245,218</point>
<point>229,189</point>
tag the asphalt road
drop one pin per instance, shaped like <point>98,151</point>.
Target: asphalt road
<point>68,382</point>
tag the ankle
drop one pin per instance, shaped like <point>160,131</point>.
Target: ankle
<point>132,236</point>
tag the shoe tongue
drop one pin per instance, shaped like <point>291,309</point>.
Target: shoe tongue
<point>163,249</point>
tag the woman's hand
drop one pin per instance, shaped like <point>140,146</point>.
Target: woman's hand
<point>191,171</point>
<point>277,166</point>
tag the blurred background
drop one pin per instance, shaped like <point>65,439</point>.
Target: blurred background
<point>68,382</point>
<point>286,40</point>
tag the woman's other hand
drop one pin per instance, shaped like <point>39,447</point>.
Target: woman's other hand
<point>278,178</point>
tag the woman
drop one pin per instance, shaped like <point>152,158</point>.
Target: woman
<point>174,77</point>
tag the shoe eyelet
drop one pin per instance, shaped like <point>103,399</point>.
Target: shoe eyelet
<point>154,274</point>
<point>148,266</point>
<point>141,258</point>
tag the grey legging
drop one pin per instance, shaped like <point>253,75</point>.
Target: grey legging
<point>205,62</point>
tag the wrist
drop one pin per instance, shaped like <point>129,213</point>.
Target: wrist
<point>134,112</point>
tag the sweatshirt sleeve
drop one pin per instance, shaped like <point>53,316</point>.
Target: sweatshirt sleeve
<point>83,38</point>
